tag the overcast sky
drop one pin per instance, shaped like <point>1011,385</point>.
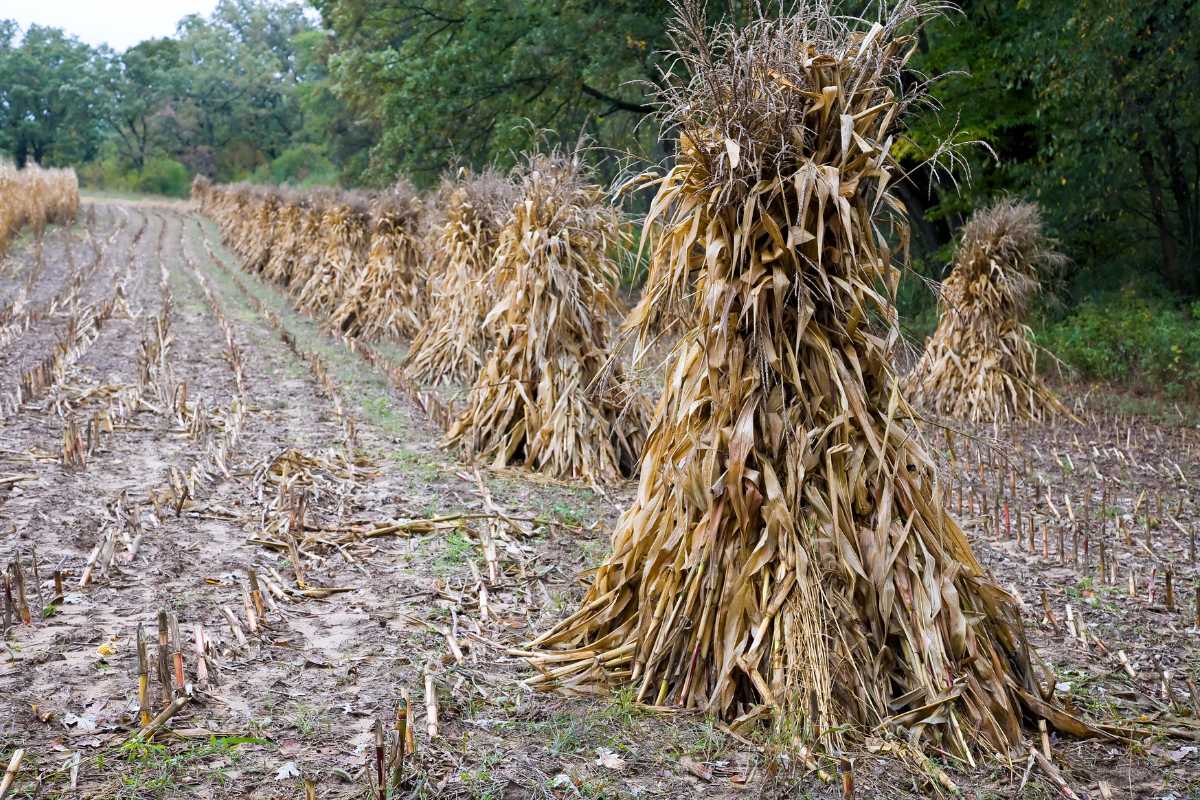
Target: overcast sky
<point>119,24</point>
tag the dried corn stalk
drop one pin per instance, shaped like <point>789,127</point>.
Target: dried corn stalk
<point>310,250</point>
<point>664,307</point>
<point>345,229</point>
<point>544,398</point>
<point>389,298</point>
<point>231,207</point>
<point>288,242</point>
<point>788,555</point>
<point>981,362</point>
<point>259,236</point>
<point>453,342</point>
<point>34,197</point>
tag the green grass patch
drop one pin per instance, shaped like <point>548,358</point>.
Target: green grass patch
<point>1131,338</point>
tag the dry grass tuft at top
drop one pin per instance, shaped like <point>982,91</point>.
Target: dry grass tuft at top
<point>788,555</point>
<point>35,197</point>
<point>981,363</point>
<point>547,396</point>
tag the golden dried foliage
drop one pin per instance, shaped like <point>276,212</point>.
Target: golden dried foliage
<point>788,555</point>
<point>34,197</point>
<point>345,241</point>
<point>288,239</point>
<point>981,362</point>
<point>310,252</point>
<point>548,397</point>
<point>664,307</point>
<point>388,296</point>
<point>259,233</point>
<point>454,341</point>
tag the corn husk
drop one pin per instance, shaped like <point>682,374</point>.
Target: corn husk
<point>545,398</point>
<point>453,343</point>
<point>788,556</point>
<point>981,362</point>
<point>388,297</point>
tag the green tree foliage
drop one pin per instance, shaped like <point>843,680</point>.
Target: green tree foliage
<point>479,80</point>
<point>1119,88</point>
<point>137,85</point>
<point>234,89</point>
<point>49,96</point>
<point>229,94</point>
<point>1090,107</point>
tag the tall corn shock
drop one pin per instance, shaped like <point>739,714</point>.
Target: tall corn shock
<point>310,251</point>
<point>547,397</point>
<point>788,555</point>
<point>388,296</point>
<point>453,342</point>
<point>981,362</point>
<point>263,208</point>
<point>33,198</point>
<point>288,243</point>
<point>345,229</point>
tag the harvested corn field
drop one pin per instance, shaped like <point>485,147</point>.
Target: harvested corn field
<point>262,489</point>
<point>360,492</point>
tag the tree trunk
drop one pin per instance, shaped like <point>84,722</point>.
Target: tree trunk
<point>1189,235</point>
<point>1170,271</point>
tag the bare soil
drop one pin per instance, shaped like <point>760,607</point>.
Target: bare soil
<point>186,412</point>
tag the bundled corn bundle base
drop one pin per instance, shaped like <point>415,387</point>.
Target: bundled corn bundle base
<point>788,555</point>
<point>453,342</point>
<point>981,362</point>
<point>548,397</point>
<point>388,297</point>
<point>34,197</point>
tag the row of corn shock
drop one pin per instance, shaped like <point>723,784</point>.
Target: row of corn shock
<point>504,283</point>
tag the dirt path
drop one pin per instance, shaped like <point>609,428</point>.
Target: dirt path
<point>174,434</point>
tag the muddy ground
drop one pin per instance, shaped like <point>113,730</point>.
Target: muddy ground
<point>168,425</point>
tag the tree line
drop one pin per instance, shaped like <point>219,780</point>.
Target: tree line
<point>1089,107</point>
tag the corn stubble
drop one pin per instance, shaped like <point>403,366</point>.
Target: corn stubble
<point>548,397</point>
<point>981,362</point>
<point>453,343</point>
<point>788,555</point>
